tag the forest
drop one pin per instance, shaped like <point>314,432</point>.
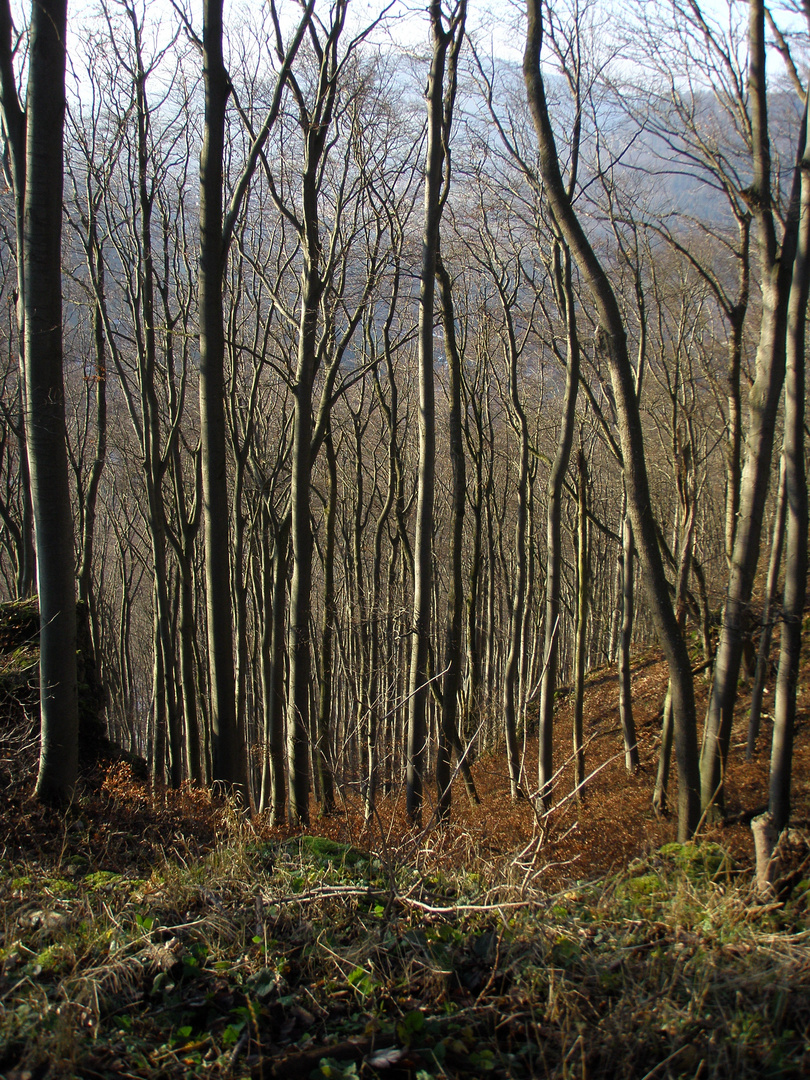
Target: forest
<point>391,397</point>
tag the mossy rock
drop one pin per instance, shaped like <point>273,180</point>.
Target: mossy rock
<point>640,889</point>
<point>698,861</point>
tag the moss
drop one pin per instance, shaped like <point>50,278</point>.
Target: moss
<point>330,851</point>
<point>699,861</point>
<point>59,886</point>
<point>102,880</point>
<point>637,889</point>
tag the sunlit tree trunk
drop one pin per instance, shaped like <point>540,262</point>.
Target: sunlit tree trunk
<point>784,720</point>
<point>776,267</point>
<point>323,750</point>
<point>439,118</point>
<point>583,588</point>
<point>44,400</point>
<point>766,622</point>
<point>613,343</point>
<point>548,685</point>
<point>625,638</point>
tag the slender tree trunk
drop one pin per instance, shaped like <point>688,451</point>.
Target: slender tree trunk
<point>735,355</point>
<point>625,638</point>
<point>88,514</point>
<point>763,401</point>
<point>583,588</point>
<point>273,787</point>
<point>796,548</point>
<point>510,675</point>
<point>613,341</point>
<point>41,257</point>
<point>228,755</point>
<point>687,492</point>
<point>298,634</point>
<point>15,135</point>
<point>448,732</point>
<point>323,750</point>
<point>766,622</point>
<point>618,581</point>
<point>551,646</point>
<point>439,119</point>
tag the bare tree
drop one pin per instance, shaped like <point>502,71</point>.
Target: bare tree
<point>613,341</point>
<point>446,44</point>
<point>776,269</point>
<point>35,138</point>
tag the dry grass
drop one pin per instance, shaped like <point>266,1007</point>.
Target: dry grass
<point>170,937</point>
<point>266,957</point>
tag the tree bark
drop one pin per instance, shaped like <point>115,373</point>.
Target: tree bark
<point>323,750</point>
<point>565,301</point>
<point>795,590</point>
<point>583,588</point>
<point>229,761</point>
<point>625,637</point>
<point>439,118</point>
<point>766,622</point>
<point>41,258</point>
<point>613,341</point>
<point>449,737</point>
<point>775,276</point>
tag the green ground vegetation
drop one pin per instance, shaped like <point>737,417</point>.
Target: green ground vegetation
<point>309,958</point>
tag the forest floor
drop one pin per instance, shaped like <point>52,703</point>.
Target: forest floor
<point>166,936</point>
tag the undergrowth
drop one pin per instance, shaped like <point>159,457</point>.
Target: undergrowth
<point>311,958</point>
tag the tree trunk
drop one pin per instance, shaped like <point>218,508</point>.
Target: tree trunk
<point>687,492</point>
<point>439,118</point>
<point>796,548</point>
<point>565,301</point>
<point>41,258</point>
<point>775,275</point>
<point>273,788</point>
<point>448,733</point>
<point>766,622</point>
<point>582,618</point>
<point>228,755</point>
<point>625,638</point>
<point>323,751</point>
<point>613,341</point>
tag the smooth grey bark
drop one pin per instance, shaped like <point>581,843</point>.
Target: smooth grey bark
<point>229,759</point>
<point>228,753</point>
<point>274,794</point>
<point>517,416</point>
<point>14,165</point>
<point>618,577</point>
<point>380,658</point>
<point>439,119</point>
<point>94,436</point>
<point>613,342</point>
<point>564,293</point>
<point>475,446</point>
<point>627,720</point>
<point>39,201</point>
<point>146,418</point>
<point>323,752</point>
<point>319,345</point>
<point>89,494</point>
<point>687,496</point>
<point>448,733</point>
<point>583,589</point>
<point>735,314</point>
<point>795,589</point>
<point>766,622</point>
<point>776,267</point>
